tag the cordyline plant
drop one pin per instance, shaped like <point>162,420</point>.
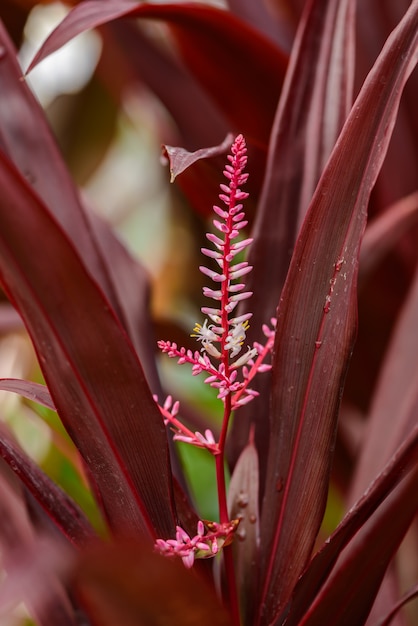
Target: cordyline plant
<point>288,256</point>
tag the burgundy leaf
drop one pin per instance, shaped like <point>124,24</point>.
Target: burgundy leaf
<point>170,81</point>
<point>410,595</point>
<point>31,391</point>
<point>243,504</point>
<point>385,231</point>
<point>301,140</point>
<point>127,583</point>
<point>348,595</point>
<point>27,139</point>
<point>265,20</point>
<point>124,271</point>
<point>33,564</point>
<point>91,370</point>
<point>390,419</point>
<point>9,318</point>
<point>321,564</point>
<point>209,39</point>
<point>180,159</point>
<point>316,325</point>
<point>60,508</point>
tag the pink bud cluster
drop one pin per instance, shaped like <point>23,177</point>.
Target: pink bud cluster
<point>169,411</point>
<point>205,544</point>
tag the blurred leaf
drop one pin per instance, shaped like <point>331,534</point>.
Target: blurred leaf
<point>126,583</point>
<point>30,391</point>
<point>93,375</point>
<point>316,325</point>
<point>32,564</point>
<point>410,595</point>
<point>197,118</point>
<point>385,231</point>
<point>209,39</point>
<point>26,138</point>
<point>60,507</point>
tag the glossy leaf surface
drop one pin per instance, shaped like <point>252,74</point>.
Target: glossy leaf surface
<point>92,372</point>
<point>311,359</point>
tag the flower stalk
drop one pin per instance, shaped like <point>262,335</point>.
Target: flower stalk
<point>221,336</point>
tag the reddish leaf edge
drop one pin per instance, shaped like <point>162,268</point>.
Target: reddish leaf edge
<point>60,508</point>
<point>9,170</point>
<point>403,37</point>
<point>31,391</point>
<point>407,597</point>
<point>181,159</point>
<point>322,562</point>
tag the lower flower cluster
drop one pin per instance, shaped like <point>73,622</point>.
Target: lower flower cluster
<point>205,544</point>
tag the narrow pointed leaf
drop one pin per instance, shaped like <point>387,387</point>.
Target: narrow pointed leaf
<point>28,141</point>
<point>65,514</point>
<point>91,370</point>
<point>209,39</point>
<point>33,565</point>
<point>410,595</point>
<point>29,390</point>
<point>301,141</point>
<point>316,324</point>
<point>127,583</point>
<point>323,561</point>
<point>347,597</point>
<point>396,393</point>
<point>385,231</point>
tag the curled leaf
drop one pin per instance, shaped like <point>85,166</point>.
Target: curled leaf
<point>180,159</point>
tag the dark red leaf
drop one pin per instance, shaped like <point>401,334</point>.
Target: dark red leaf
<point>59,507</point>
<point>180,159</point>
<point>319,568</point>
<point>31,391</point>
<point>243,504</point>
<point>385,231</point>
<point>126,583</point>
<point>348,595</point>
<point>33,564</point>
<point>390,419</point>
<point>27,139</point>
<point>231,60</point>
<point>185,100</point>
<point>301,141</point>
<point>91,370</point>
<point>316,325</point>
